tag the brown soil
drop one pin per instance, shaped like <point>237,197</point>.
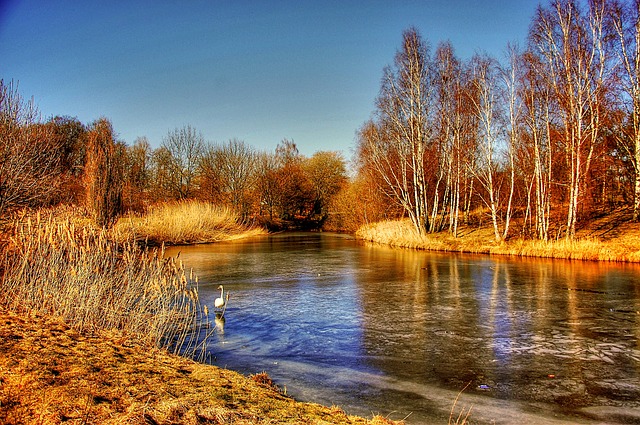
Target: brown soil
<point>51,374</point>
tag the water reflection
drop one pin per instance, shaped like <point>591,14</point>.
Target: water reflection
<point>375,329</point>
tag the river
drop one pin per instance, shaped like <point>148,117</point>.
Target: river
<point>405,333</point>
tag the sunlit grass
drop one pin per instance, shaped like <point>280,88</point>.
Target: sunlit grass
<point>401,233</point>
<point>184,222</point>
<point>94,283</point>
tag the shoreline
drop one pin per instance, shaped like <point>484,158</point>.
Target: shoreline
<point>621,245</point>
<point>99,366</point>
<point>52,374</point>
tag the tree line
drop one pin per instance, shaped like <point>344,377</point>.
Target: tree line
<point>548,134</point>
<point>533,144</point>
<point>62,160</point>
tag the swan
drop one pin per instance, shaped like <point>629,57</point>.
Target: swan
<point>220,302</point>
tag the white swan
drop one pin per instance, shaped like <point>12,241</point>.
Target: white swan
<point>220,302</point>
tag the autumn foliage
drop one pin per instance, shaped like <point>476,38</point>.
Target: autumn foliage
<point>103,174</point>
<point>540,141</point>
<point>535,144</point>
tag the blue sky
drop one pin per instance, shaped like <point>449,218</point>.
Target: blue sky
<point>259,71</point>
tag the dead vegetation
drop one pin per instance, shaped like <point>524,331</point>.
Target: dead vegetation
<point>613,237</point>
<point>185,222</point>
<point>87,325</point>
<point>52,374</point>
<point>94,283</point>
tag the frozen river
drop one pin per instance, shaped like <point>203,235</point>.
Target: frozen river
<point>400,333</point>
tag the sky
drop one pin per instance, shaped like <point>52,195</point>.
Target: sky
<point>259,71</point>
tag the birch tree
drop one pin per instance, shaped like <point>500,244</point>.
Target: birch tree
<point>625,19</point>
<point>573,48</point>
<point>485,84</point>
<point>537,103</point>
<point>396,144</point>
<point>449,125</point>
<point>512,78</point>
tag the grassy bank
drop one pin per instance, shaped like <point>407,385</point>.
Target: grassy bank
<point>604,240</point>
<point>94,283</point>
<point>52,374</point>
<point>184,222</point>
<point>89,319</point>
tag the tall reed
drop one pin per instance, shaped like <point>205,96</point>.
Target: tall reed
<point>94,283</point>
<point>184,222</point>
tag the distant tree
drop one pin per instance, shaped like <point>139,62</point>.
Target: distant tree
<point>358,202</point>
<point>104,173</point>
<point>268,184</point>
<point>163,176</point>
<point>29,160</point>
<point>229,173</point>
<point>326,172</point>
<point>137,179</point>
<point>69,136</point>
<point>178,161</point>
<point>294,188</point>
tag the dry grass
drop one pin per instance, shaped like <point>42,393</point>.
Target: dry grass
<point>94,283</point>
<point>623,246</point>
<point>184,222</point>
<point>51,374</point>
<point>402,234</point>
<point>589,248</point>
<point>85,326</point>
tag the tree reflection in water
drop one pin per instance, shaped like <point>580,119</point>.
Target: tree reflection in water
<point>378,329</point>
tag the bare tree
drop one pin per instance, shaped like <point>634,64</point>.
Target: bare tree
<point>512,77</point>
<point>267,184</point>
<point>625,19</point>
<point>485,101</point>
<point>452,124</point>
<point>137,174</point>
<point>229,172</point>
<point>539,120</point>
<point>177,162</point>
<point>396,145</point>
<point>29,160</point>
<point>572,46</point>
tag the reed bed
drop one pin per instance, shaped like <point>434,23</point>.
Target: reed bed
<point>94,283</point>
<point>401,233</point>
<point>587,248</point>
<point>185,222</point>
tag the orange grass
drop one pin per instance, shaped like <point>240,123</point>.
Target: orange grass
<point>185,222</point>
<point>94,283</point>
<point>401,233</point>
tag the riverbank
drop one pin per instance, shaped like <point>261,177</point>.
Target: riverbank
<point>186,222</point>
<point>52,374</point>
<point>88,317</point>
<point>611,238</point>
